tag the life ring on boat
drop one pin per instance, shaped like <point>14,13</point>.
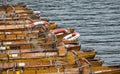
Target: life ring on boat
<point>36,24</point>
<point>37,13</point>
<point>72,37</point>
<point>60,31</point>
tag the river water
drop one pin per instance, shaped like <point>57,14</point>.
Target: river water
<point>98,22</point>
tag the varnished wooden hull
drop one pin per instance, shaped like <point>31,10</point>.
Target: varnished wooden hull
<point>52,26</point>
<point>13,27</point>
<point>89,54</point>
<point>15,8</point>
<point>17,21</point>
<point>22,27</point>
<point>106,70</point>
<point>44,71</point>
<point>31,56</point>
<point>96,62</point>
<point>18,37</point>
<point>62,70</point>
<point>15,5</point>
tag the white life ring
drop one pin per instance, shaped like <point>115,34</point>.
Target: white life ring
<point>71,37</point>
<point>60,31</point>
<point>37,13</point>
<point>39,23</point>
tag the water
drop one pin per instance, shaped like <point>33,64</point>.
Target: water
<point>98,21</point>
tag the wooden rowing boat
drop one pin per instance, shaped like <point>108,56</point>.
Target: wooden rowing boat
<point>50,26</point>
<point>29,59</point>
<point>32,64</point>
<point>64,70</point>
<point>45,70</point>
<point>18,32</point>
<point>47,46</point>
<point>10,27</point>
<point>30,56</point>
<point>95,62</point>
<point>22,4</point>
<point>106,70</point>
<point>12,8</point>
<point>19,14</point>
<point>25,39</point>
<point>28,47</point>
<point>22,11</point>
<point>92,53</point>
<point>16,37</point>
<point>9,14</point>
<point>16,21</point>
<point>21,20</point>
<point>85,53</point>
